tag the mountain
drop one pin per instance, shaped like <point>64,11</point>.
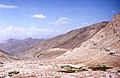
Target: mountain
<point>97,49</point>
<point>90,45</point>
<point>65,42</point>
<point>14,46</point>
<point>5,57</point>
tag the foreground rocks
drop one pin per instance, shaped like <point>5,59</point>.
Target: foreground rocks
<point>48,69</point>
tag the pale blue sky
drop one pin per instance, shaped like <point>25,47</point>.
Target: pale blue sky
<point>47,18</point>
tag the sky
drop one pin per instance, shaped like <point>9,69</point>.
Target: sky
<point>20,19</point>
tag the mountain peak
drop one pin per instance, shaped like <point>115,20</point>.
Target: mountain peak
<point>116,18</point>
<point>29,38</point>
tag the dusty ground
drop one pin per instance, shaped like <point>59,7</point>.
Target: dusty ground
<point>49,69</point>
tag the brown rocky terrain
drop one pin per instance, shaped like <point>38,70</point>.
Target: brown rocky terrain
<point>96,50</point>
<point>6,57</point>
<point>67,41</point>
<point>3,56</point>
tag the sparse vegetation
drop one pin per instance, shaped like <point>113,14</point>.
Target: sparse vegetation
<point>16,58</point>
<point>111,53</point>
<point>70,69</point>
<point>102,68</point>
<point>11,73</point>
<point>1,62</point>
<point>118,71</point>
<point>2,76</point>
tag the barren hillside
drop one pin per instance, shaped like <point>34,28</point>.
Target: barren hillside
<point>67,41</point>
<point>6,57</point>
<point>90,45</point>
<point>97,49</point>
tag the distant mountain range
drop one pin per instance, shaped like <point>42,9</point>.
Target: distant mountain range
<point>15,46</point>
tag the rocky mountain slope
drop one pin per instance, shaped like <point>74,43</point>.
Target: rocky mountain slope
<point>6,57</point>
<point>66,41</point>
<point>90,45</point>
<point>14,46</point>
<point>3,56</point>
<point>99,48</point>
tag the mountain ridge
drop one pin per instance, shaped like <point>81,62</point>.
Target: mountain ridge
<point>60,40</point>
<point>15,46</point>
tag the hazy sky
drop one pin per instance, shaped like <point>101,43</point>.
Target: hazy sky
<point>46,18</point>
